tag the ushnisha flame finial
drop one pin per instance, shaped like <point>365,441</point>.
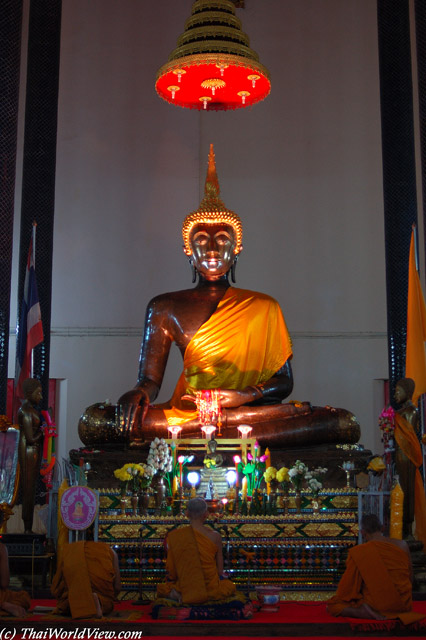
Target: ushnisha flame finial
<point>212,210</point>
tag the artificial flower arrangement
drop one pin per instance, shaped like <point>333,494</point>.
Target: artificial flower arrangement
<point>284,478</point>
<point>376,465</point>
<point>174,475</point>
<point>160,458</point>
<point>387,427</point>
<point>297,474</point>
<point>314,479</point>
<point>270,474</point>
<point>134,476</point>
<point>253,469</point>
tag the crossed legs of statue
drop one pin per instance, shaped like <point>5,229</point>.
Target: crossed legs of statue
<point>279,424</point>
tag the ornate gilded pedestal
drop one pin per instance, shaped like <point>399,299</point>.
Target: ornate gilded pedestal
<point>303,552</point>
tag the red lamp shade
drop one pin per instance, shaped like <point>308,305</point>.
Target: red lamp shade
<point>213,66</point>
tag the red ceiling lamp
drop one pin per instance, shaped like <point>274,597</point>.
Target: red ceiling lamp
<point>213,67</point>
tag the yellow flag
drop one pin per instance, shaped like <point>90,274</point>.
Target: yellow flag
<point>415,362</point>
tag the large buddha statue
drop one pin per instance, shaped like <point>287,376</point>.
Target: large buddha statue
<point>233,341</point>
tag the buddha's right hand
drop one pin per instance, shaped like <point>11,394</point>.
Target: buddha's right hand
<point>134,404</point>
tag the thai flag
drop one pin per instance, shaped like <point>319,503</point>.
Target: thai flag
<point>30,332</point>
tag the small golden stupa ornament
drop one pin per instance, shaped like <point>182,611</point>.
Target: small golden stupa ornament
<point>213,66</point>
<point>212,210</point>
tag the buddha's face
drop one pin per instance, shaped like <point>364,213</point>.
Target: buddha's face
<point>36,396</point>
<point>400,394</point>
<point>213,249</point>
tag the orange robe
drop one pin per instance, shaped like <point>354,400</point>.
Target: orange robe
<point>191,568</point>
<point>378,574</point>
<point>20,598</point>
<point>85,567</point>
<point>408,442</point>
<point>243,343</point>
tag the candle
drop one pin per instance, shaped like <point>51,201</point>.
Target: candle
<point>268,464</point>
<point>237,461</point>
<point>175,486</point>
<point>244,488</point>
<point>193,479</point>
<point>180,460</point>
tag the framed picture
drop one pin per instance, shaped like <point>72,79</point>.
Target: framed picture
<point>9,470</point>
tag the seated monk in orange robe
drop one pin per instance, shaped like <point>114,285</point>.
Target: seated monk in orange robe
<point>195,561</point>
<point>87,580</point>
<point>14,603</point>
<point>377,582</point>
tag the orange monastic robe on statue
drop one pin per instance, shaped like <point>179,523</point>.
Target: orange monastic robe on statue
<point>408,443</point>
<point>191,568</point>
<point>243,343</point>
<point>378,574</point>
<point>85,567</point>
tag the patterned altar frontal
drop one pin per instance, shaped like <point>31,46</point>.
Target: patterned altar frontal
<point>301,551</point>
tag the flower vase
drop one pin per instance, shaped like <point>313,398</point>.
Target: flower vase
<point>285,501</point>
<point>123,504</point>
<point>298,501</point>
<point>348,478</point>
<point>134,498</point>
<point>143,502</point>
<point>315,504</point>
<point>272,498</point>
<point>160,493</point>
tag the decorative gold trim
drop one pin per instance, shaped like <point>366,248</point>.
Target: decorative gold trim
<point>202,5</point>
<point>206,32</point>
<point>207,47</point>
<point>213,84</point>
<point>212,16</point>
<point>212,58</point>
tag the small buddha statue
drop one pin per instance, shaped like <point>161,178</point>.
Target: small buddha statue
<point>212,457</point>
<point>30,447</point>
<point>232,341</point>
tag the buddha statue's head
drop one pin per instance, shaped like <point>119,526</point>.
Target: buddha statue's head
<point>404,390</point>
<point>212,235</point>
<point>31,388</point>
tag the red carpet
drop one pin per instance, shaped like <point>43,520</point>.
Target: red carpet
<point>300,620</point>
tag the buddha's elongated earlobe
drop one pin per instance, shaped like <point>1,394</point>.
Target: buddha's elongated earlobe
<point>194,270</point>
<point>234,266</point>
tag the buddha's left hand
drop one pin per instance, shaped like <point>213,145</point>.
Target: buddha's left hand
<point>230,398</point>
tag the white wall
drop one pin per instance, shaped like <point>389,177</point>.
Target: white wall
<point>302,168</point>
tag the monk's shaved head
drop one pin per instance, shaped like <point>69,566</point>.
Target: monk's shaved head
<point>196,508</point>
<point>370,523</point>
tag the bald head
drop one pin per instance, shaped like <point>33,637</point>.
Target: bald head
<point>196,509</point>
<point>370,523</point>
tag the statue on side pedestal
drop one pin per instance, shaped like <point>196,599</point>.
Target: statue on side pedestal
<point>408,458</point>
<point>232,340</point>
<point>30,447</point>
